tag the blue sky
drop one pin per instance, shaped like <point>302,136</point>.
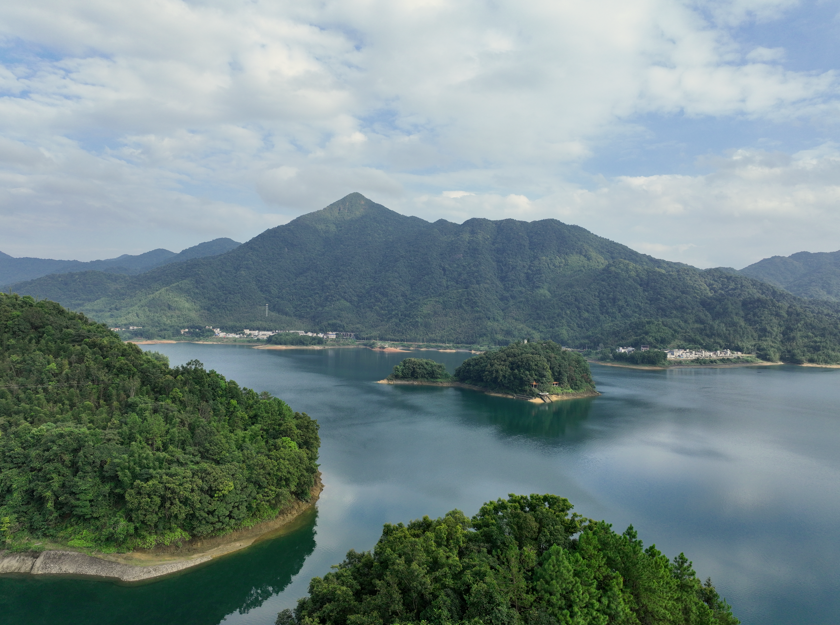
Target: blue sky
<point>702,132</point>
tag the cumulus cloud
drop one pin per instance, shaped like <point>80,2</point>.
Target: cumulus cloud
<point>161,112</point>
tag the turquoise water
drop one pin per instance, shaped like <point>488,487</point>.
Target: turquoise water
<point>738,468</point>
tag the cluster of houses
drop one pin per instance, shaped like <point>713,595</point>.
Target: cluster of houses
<point>685,354</point>
<point>264,334</point>
<point>690,354</point>
<point>126,328</point>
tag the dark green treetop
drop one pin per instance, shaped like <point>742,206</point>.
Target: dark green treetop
<point>517,367</point>
<point>524,560</point>
<point>419,369</point>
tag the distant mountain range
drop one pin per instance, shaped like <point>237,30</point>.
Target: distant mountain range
<point>806,274</point>
<point>13,270</point>
<point>358,266</point>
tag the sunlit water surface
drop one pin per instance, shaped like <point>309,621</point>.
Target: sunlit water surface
<point>738,468</point>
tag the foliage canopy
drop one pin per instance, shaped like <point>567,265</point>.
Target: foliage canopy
<point>517,367</point>
<point>102,445</point>
<point>522,560</point>
<point>419,369</point>
<point>293,338</point>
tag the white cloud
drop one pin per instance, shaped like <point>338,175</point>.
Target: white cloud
<point>282,108</point>
<point>765,55</point>
<point>752,201</point>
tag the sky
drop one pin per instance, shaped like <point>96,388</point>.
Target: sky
<point>705,132</point>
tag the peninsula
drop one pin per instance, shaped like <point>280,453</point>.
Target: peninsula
<point>106,450</point>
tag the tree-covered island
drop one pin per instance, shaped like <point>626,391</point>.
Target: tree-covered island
<point>524,560</point>
<point>525,370</point>
<point>420,369</point>
<point>105,447</point>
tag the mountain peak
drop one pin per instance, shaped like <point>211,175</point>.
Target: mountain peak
<point>349,207</point>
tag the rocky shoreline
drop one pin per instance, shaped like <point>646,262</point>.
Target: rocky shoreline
<point>553,398</point>
<point>139,566</point>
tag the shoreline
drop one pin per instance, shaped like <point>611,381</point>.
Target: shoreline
<point>264,346</point>
<point>537,400</point>
<point>688,366</point>
<point>143,565</point>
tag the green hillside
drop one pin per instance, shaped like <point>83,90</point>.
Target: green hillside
<point>357,266</point>
<point>13,270</point>
<point>522,561</point>
<point>806,274</point>
<point>104,446</point>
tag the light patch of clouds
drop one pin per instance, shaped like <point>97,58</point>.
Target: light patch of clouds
<point>733,12</point>
<point>766,55</point>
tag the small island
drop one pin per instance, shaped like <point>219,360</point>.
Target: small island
<point>540,371</point>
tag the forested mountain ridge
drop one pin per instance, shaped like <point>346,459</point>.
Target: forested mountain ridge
<point>104,446</point>
<point>13,270</point>
<point>360,267</point>
<point>806,274</point>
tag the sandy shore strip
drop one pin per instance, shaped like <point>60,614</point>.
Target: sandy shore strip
<point>300,346</point>
<point>142,565</point>
<point>564,397</point>
<point>809,364</point>
<point>481,389</point>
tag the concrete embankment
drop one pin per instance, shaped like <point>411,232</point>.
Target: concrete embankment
<point>142,565</point>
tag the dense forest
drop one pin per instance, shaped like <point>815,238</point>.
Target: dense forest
<point>293,338</point>
<point>419,369</point>
<point>527,369</point>
<point>806,274</point>
<point>522,560</point>
<point>104,446</point>
<point>359,267</point>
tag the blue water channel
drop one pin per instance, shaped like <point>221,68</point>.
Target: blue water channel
<point>738,468</point>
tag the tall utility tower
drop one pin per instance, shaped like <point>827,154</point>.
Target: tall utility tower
<point>266,311</point>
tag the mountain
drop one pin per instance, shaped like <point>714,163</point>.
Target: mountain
<point>14,270</point>
<point>357,266</point>
<point>806,274</point>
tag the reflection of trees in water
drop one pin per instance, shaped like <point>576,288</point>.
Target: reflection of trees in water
<point>560,420</point>
<point>239,582</point>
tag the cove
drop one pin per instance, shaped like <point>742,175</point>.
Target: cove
<point>738,468</point>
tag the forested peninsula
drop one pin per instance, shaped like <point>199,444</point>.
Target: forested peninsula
<point>106,448</point>
<point>524,560</point>
<point>523,370</point>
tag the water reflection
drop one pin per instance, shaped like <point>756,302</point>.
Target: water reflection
<point>235,584</point>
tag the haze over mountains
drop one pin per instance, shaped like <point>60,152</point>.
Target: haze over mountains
<point>357,266</point>
<point>13,270</point>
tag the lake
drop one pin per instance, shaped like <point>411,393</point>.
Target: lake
<point>737,468</point>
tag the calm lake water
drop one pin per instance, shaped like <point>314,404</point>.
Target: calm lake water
<point>738,468</point>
